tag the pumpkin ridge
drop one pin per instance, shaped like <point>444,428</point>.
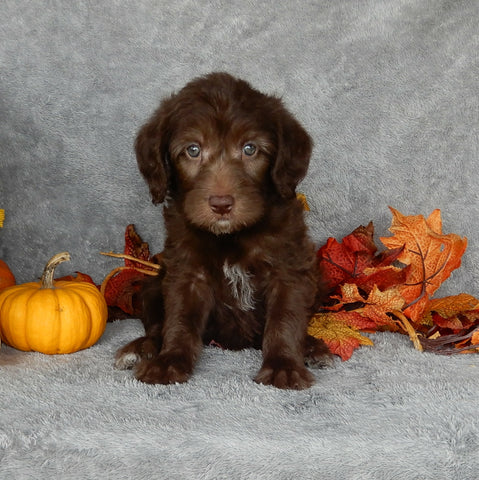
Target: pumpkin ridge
<point>95,306</point>
<point>40,327</point>
<point>78,304</point>
<point>8,327</point>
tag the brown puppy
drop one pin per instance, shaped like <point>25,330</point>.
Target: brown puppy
<point>239,267</point>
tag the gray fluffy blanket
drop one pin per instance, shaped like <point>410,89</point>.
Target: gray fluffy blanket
<point>388,90</point>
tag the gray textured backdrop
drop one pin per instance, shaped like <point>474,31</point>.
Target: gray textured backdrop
<point>387,88</point>
<point>389,91</point>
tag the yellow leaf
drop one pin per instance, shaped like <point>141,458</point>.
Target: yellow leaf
<point>450,306</point>
<point>341,339</point>
<point>350,294</point>
<point>302,198</point>
<point>379,304</point>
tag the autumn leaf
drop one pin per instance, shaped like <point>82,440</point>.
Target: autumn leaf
<point>379,304</point>
<point>122,291</point>
<point>430,254</point>
<point>302,198</point>
<point>79,277</point>
<point>343,262</point>
<point>121,287</point>
<point>383,277</point>
<point>349,295</point>
<point>370,291</point>
<point>341,338</point>
<point>375,307</point>
<point>135,247</point>
<point>454,312</point>
<point>355,261</point>
<point>452,305</point>
<point>352,319</point>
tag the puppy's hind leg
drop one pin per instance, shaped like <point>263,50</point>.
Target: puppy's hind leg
<point>316,353</point>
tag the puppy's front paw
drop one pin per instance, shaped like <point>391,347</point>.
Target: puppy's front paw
<point>286,374</point>
<point>132,353</point>
<point>164,369</point>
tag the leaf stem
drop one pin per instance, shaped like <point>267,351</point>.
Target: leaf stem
<point>120,269</point>
<point>155,266</point>
<point>409,329</point>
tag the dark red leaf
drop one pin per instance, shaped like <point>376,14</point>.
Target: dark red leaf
<point>79,277</point>
<point>122,291</point>
<point>354,260</point>
<point>135,247</point>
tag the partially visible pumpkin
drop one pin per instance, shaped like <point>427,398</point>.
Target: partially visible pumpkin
<point>6,276</point>
<point>52,316</point>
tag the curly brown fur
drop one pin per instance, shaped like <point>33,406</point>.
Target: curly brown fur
<point>239,267</point>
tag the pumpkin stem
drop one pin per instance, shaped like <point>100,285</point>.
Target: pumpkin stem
<point>48,271</point>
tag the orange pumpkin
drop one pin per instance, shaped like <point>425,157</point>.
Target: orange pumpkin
<point>52,317</point>
<point>6,276</point>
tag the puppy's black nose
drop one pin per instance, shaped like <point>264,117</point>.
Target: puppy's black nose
<point>221,204</point>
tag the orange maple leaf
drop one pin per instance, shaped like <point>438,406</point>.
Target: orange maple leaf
<point>375,307</point>
<point>355,260</point>
<point>379,304</point>
<point>342,339</point>
<point>445,312</point>
<point>431,255</point>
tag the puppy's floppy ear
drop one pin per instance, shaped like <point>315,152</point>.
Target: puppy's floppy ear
<point>151,148</point>
<point>294,152</point>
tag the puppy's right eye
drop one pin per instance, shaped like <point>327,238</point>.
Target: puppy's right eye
<point>194,151</point>
<point>249,149</point>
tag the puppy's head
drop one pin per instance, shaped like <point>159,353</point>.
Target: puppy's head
<point>221,151</point>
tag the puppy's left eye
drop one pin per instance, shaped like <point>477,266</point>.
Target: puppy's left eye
<point>249,149</point>
<point>194,151</point>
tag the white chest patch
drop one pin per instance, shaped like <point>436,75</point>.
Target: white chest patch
<point>240,283</point>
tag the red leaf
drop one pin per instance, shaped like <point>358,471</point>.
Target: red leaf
<point>354,260</point>
<point>122,291</point>
<point>452,323</point>
<point>122,285</point>
<point>136,247</point>
<point>382,278</point>
<point>79,277</point>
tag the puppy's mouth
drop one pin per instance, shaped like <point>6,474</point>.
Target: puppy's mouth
<point>222,226</point>
<point>223,214</point>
